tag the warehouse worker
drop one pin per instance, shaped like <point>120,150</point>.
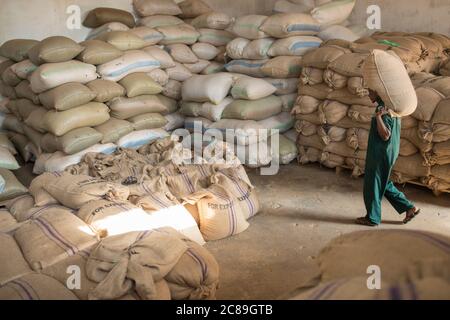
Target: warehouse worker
<point>382,152</point>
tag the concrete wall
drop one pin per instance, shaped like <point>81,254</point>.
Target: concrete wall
<point>38,19</point>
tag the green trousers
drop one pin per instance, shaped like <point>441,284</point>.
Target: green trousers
<point>380,159</point>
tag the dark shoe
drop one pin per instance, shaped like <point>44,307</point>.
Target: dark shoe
<point>365,222</point>
<point>410,216</point>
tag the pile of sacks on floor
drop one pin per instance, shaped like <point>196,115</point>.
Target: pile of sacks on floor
<point>106,206</point>
<point>243,104</point>
<point>400,271</point>
<point>334,112</point>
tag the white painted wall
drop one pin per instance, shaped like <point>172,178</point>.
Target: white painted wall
<point>37,19</point>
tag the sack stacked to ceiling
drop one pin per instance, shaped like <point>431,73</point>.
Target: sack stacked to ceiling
<point>334,112</point>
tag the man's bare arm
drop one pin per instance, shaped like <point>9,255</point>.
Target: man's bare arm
<point>383,131</point>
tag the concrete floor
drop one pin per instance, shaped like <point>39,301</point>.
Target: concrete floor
<point>303,208</point>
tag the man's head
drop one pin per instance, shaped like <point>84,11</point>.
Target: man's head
<point>373,95</point>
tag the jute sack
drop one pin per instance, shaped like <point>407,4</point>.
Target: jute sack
<point>331,112</point>
<point>333,12</point>
<point>212,111</point>
<point>67,96</point>
<point>347,256</point>
<point>213,67</point>
<point>282,67</point>
<point>361,114</point>
<point>288,150</point>
<point>21,142</point>
<point>106,90</point>
<point>386,75</point>
<point>319,91</point>
<point>193,8</point>
<point>280,123</point>
<point>357,138</point>
<point>410,168</point>
<point>349,64</point>
<point>15,266</point>
<point>159,20</point>
<point>310,117</point>
<point>101,16</point>
<point>311,76</point>
<point>34,120</point>
<point>331,160</point>
<point>23,69</point>
<point>137,139</point>
<point>197,67</point>
<point>343,150</point>
<point>357,165</point>
<point>173,89</point>
<point>98,52</point>
<point>248,67</point>
<point>123,40</point>
<point>215,37</point>
<point>284,86</point>
<point>356,86</point>
<point>33,136</point>
<point>253,110</point>
<point>54,49</point>
<point>76,190</point>
<point>331,134</point>
<point>294,46</point>
<point>17,49</point>
<point>10,78</point>
<point>181,53</point>
<point>7,160</point>
<point>248,27</point>
<point>149,35</point>
<point>40,195</point>
<point>407,148</point>
<point>53,236</point>
<point>445,69</point>
<point>284,6</point>
<point>7,91</point>
<point>147,8</point>
<point>334,80</point>
<point>212,20</point>
<point>12,123</point>
<point>211,88</point>
<point>159,76</point>
<point>323,56</point>
<point>164,58</point>
<point>202,279</point>
<point>258,49</point>
<point>171,104</point>
<point>345,97</point>
<point>132,61</point>
<point>114,129</point>
<point>182,33</point>
<point>23,90</point>
<point>124,108</point>
<point>88,115</point>
<point>252,89</point>
<point>220,214</point>
<point>174,121</point>
<point>185,183</point>
<point>13,188</point>
<point>107,27</point>
<point>18,206</point>
<point>244,131</point>
<point>72,142</point>
<point>441,172</point>
<point>288,101</point>
<point>52,75</point>
<point>148,121</point>
<point>284,25</point>
<point>191,109</point>
<point>308,155</point>
<point>338,32</point>
<point>205,51</point>
<point>313,141</point>
<point>412,136</point>
<point>441,113</point>
<point>305,128</point>
<point>179,72</point>
<point>137,84</point>
<point>427,101</point>
<point>236,47</point>
<point>7,144</point>
<point>24,108</point>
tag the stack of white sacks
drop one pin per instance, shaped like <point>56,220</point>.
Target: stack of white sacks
<point>331,15</point>
<point>334,112</point>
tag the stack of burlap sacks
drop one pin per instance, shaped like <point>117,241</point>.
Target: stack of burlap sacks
<point>334,112</point>
<point>93,214</point>
<point>332,16</point>
<point>419,272</point>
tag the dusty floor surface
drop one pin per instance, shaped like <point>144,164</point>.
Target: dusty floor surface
<point>303,208</point>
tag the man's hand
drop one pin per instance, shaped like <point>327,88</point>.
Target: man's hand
<point>383,132</point>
